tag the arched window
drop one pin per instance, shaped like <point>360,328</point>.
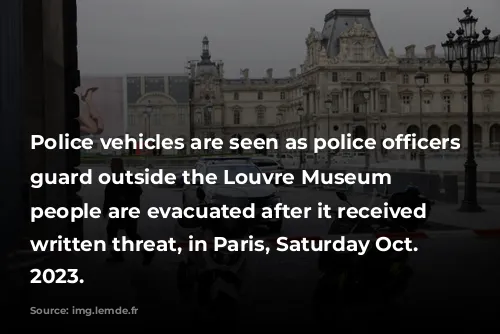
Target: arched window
<point>446,78</point>
<point>207,116</point>
<point>236,116</point>
<point>359,76</point>
<point>405,79</point>
<point>261,115</point>
<point>358,52</point>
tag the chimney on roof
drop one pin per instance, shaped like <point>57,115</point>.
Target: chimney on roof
<point>430,51</point>
<point>191,67</point>
<point>269,73</point>
<point>302,68</point>
<point>410,51</point>
<point>293,72</point>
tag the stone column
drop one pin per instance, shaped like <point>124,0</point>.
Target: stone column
<point>389,103</point>
<point>344,100</point>
<point>11,127</point>
<point>372,101</point>
<point>319,105</point>
<point>350,99</point>
<point>346,128</point>
<point>485,141</point>
<point>315,102</point>
<point>306,106</point>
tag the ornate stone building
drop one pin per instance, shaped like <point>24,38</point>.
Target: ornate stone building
<point>165,98</point>
<point>344,61</point>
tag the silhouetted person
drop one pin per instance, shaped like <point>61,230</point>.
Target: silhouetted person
<point>122,196</point>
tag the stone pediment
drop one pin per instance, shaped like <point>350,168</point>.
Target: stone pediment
<point>357,30</point>
<point>428,92</point>
<point>447,92</point>
<point>359,45</point>
<point>405,92</point>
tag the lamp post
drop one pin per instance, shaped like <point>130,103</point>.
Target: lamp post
<point>366,95</point>
<point>300,112</point>
<point>328,106</point>
<point>147,113</point>
<point>383,127</point>
<point>420,78</point>
<point>469,52</point>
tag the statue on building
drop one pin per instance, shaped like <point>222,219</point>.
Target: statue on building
<point>244,73</point>
<point>322,56</point>
<point>372,52</point>
<point>392,54</point>
<point>90,120</point>
<point>269,73</point>
<point>344,48</point>
<point>220,67</point>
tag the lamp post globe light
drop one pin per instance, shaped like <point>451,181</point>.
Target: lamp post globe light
<point>366,94</point>
<point>420,79</point>
<point>328,106</point>
<point>300,112</point>
<point>472,55</point>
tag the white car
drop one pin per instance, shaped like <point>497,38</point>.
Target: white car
<point>287,160</point>
<point>268,164</point>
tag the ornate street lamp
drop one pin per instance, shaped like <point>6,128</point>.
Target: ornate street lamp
<point>300,112</point>
<point>366,94</point>
<point>420,79</point>
<point>383,127</point>
<point>473,55</point>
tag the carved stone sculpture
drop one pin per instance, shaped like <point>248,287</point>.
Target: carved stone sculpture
<point>392,54</point>
<point>244,73</point>
<point>90,120</point>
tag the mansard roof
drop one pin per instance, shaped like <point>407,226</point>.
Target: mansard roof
<point>339,21</point>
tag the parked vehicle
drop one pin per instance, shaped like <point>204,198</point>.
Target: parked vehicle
<point>268,164</point>
<point>288,160</point>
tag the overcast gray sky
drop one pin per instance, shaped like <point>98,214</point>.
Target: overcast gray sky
<point>148,36</point>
